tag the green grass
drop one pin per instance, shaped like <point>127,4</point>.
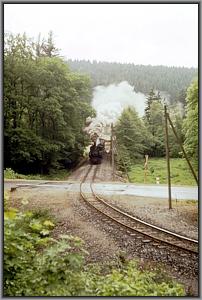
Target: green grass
<point>157,167</point>
<point>56,175</point>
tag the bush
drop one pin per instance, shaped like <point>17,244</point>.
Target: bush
<point>6,199</point>
<point>30,267</point>
<point>37,265</point>
<point>10,174</point>
<point>130,281</point>
<point>54,175</point>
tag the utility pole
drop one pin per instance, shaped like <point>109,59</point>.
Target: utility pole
<point>112,149</point>
<point>182,148</point>
<point>167,156</point>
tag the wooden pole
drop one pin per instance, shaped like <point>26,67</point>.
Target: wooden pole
<point>111,142</point>
<point>167,157</point>
<point>182,148</point>
<point>112,148</point>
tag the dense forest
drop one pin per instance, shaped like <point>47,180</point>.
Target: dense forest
<point>47,100</point>
<point>172,80</point>
<point>45,107</point>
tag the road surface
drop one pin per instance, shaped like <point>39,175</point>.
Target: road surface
<point>143,190</point>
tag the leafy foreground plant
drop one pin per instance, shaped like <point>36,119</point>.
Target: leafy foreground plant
<point>37,265</point>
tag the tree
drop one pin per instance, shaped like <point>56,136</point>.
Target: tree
<point>154,123</point>
<point>181,98</point>
<point>190,124</point>
<point>132,136</point>
<point>150,98</point>
<point>45,107</point>
<point>168,79</point>
<point>156,128</point>
<point>176,114</point>
<point>49,47</point>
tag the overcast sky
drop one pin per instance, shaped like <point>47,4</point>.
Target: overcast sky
<point>155,34</point>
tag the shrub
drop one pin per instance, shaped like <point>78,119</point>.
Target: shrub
<point>10,174</point>
<point>6,199</point>
<point>130,281</point>
<point>37,265</point>
<point>54,175</point>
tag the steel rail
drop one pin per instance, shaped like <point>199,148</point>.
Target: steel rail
<point>160,230</point>
<point>143,222</point>
<point>132,218</point>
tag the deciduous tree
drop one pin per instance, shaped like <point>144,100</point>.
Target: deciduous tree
<point>190,125</point>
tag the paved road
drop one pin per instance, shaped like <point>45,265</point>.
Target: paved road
<point>157,191</point>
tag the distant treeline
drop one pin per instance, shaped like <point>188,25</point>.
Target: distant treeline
<point>173,80</point>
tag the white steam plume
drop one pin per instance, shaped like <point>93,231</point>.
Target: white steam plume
<point>109,102</point>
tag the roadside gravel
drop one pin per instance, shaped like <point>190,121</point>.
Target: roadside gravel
<point>181,219</point>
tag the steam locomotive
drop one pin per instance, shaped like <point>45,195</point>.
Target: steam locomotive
<point>96,152</point>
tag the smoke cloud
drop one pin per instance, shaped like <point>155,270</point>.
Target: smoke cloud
<point>109,102</point>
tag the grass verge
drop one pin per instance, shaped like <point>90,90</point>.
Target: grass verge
<point>157,167</point>
<point>55,175</point>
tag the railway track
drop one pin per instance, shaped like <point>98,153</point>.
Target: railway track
<point>135,227</point>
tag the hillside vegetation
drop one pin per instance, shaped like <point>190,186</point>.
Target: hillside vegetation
<point>173,80</point>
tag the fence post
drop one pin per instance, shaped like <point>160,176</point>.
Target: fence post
<point>167,156</point>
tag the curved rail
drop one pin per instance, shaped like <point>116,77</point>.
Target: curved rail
<point>143,222</point>
<point>136,225</point>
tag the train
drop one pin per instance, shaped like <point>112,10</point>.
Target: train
<point>97,151</point>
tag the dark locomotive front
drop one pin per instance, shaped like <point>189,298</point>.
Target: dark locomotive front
<point>96,152</point>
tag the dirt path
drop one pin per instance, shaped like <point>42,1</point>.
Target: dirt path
<point>104,172</point>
